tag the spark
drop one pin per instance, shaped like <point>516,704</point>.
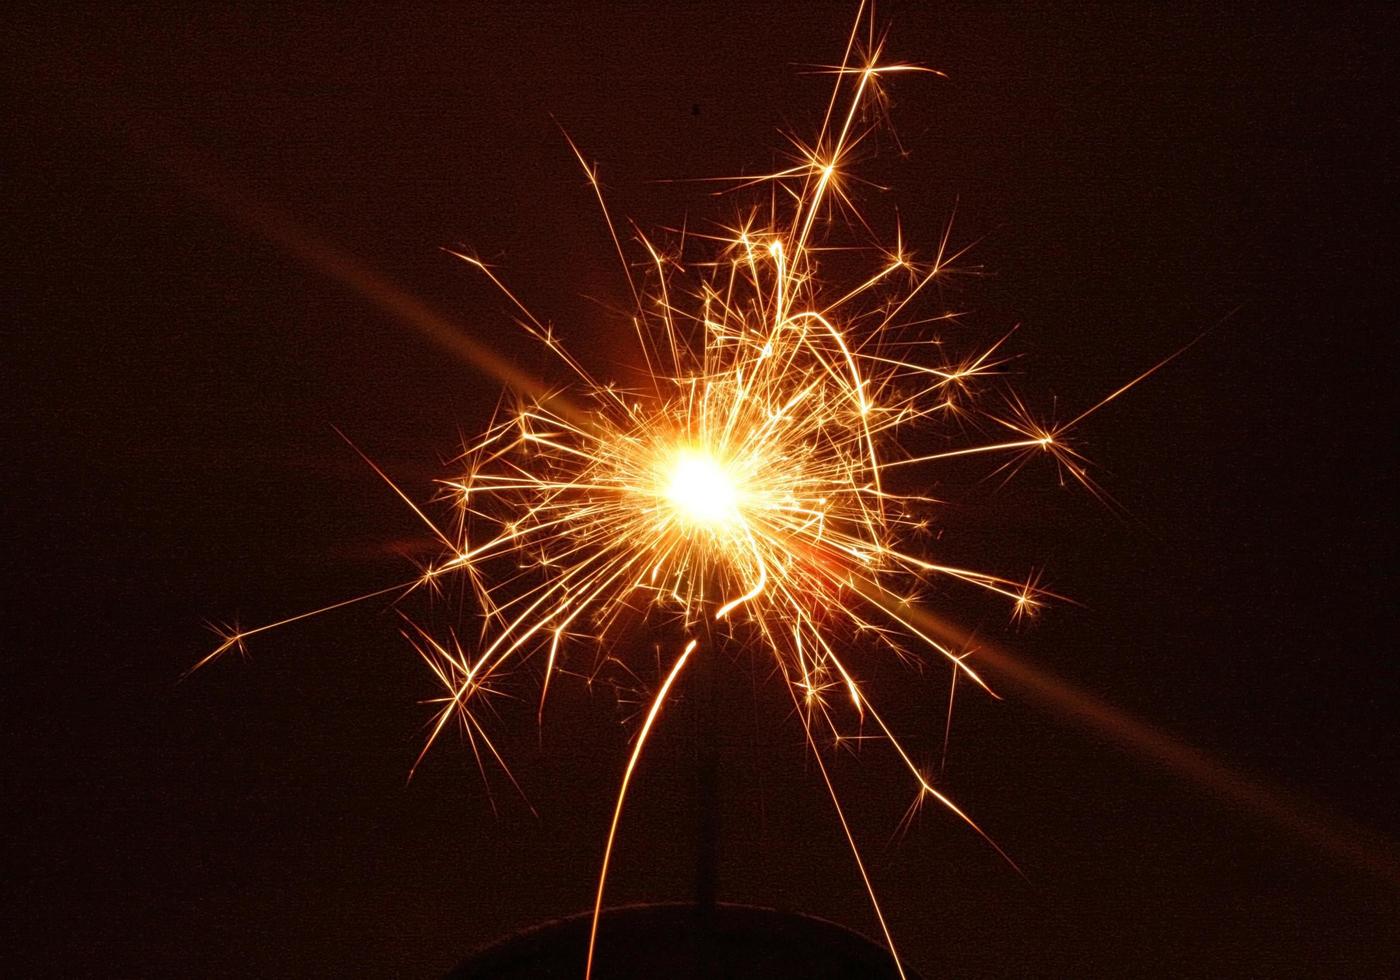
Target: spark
<point>744,492</point>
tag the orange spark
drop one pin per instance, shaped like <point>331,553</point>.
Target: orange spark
<point>743,488</point>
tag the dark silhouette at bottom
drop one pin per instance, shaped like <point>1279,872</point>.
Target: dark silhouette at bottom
<point>685,942</point>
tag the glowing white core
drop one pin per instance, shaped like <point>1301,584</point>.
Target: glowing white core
<point>702,490</point>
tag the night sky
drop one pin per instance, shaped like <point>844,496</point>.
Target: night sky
<point>1132,176</point>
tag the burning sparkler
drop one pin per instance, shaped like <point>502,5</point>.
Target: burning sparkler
<point>742,491</point>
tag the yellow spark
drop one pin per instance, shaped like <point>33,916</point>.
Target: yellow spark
<point>702,490</point>
<point>744,488</point>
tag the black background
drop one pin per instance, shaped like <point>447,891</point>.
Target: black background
<point>1132,176</point>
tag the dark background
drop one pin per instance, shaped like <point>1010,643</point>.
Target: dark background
<point>1132,176</point>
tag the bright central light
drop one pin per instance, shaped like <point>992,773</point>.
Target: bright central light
<point>702,490</point>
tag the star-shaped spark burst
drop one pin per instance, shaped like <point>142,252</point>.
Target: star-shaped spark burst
<point>743,491</point>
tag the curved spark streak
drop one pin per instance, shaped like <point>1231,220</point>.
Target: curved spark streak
<point>622,795</point>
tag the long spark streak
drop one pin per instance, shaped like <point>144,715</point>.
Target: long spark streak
<point>622,795</point>
<point>746,483</point>
<point>850,837</point>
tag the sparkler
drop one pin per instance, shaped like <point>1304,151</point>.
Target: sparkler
<point>742,491</point>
